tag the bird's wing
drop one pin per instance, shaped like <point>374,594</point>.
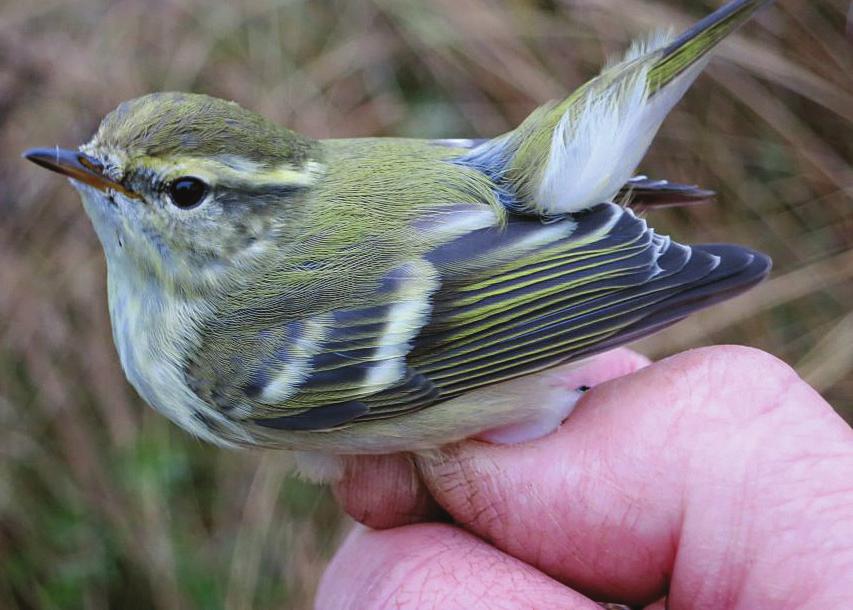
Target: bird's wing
<point>491,305</point>
<point>529,296</point>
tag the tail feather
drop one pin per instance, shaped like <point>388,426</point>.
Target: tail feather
<point>696,42</point>
<point>580,152</point>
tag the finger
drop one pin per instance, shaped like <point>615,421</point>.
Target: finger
<point>386,491</point>
<point>435,566</point>
<point>705,458</point>
<point>383,491</point>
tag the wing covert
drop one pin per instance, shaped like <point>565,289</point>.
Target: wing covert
<point>314,372</point>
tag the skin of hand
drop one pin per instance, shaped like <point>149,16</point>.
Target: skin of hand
<point>716,478</point>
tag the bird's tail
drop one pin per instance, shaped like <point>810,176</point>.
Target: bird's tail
<point>694,44</point>
<point>579,152</point>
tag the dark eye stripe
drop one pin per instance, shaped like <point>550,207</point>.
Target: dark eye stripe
<point>236,196</point>
<point>272,189</point>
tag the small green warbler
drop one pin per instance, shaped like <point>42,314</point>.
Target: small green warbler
<point>380,295</point>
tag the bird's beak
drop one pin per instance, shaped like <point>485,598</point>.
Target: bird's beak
<point>76,165</point>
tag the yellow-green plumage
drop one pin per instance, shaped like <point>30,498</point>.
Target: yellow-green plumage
<point>375,295</point>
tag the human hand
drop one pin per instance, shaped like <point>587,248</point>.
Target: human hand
<point>715,478</point>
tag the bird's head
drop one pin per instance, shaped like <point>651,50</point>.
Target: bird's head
<point>188,187</point>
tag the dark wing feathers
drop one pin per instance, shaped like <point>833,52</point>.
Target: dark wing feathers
<point>684,280</point>
<point>415,391</point>
<point>519,299</point>
<point>740,268</point>
<point>641,193</point>
<point>324,417</point>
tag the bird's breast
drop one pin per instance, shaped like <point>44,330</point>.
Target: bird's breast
<point>153,332</point>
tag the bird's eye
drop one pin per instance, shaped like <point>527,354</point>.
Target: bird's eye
<point>187,192</point>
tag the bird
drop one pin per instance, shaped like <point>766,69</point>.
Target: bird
<point>378,295</point>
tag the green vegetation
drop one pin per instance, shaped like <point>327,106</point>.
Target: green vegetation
<point>104,503</point>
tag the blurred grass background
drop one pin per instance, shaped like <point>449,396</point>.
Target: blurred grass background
<point>105,504</point>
